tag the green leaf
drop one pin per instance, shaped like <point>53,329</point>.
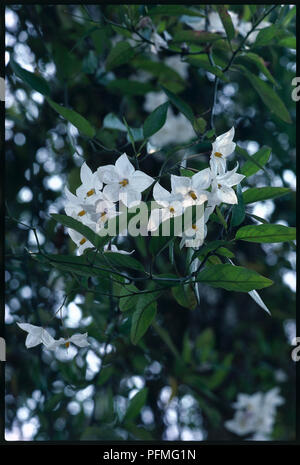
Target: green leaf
<point>182,106</point>
<point>197,37</point>
<point>213,246</point>
<point>289,42</point>
<point>255,194</point>
<point>186,172</point>
<point>221,217</point>
<point>129,87</point>
<point>155,120</point>
<point>233,278</point>
<point>185,296</point>
<point>265,36</point>
<point>202,61</point>
<point>289,16</point>
<point>266,233</point>
<point>268,96</point>
<point>238,211</point>
<point>226,21</point>
<point>34,81</point>
<point>259,159</point>
<point>200,125</point>
<point>136,404</point>
<point>73,117</point>
<point>128,302</point>
<point>119,55</point>
<point>86,232</point>
<point>143,316</point>
<point>259,63</point>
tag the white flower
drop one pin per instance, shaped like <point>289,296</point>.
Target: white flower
<point>159,43</point>
<point>105,210</point>
<point>222,147</point>
<point>222,187</point>
<point>194,235</point>
<point>81,242</point>
<point>91,184</point>
<point>171,207</point>
<point>78,208</point>
<point>192,188</point>
<point>255,414</point>
<point>38,335</point>
<point>113,248</point>
<point>123,182</point>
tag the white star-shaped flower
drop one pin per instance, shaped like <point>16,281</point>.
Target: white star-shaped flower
<point>171,204</point>
<point>38,335</point>
<point>91,185</point>
<point>222,187</point>
<point>222,147</point>
<point>192,189</point>
<point>123,182</point>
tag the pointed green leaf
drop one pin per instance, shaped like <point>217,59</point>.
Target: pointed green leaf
<point>143,316</point>
<point>182,106</point>
<point>33,80</point>
<point>119,55</point>
<point>238,211</point>
<point>136,404</point>
<point>255,194</point>
<point>73,117</point>
<point>155,120</point>
<point>266,233</point>
<point>233,278</point>
<point>226,21</point>
<point>268,96</point>
<point>257,160</point>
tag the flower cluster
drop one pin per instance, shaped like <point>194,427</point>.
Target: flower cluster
<point>255,414</point>
<point>38,335</point>
<point>96,198</point>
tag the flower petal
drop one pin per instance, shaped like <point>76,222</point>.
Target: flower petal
<point>202,179</point>
<point>140,181</point>
<point>227,195</point>
<point>112,191</point>
<point>108,174</point>
<point>130,197</point>
<point>180,184</point>
<point>161,195</point>
<point>79,340</point>
<point>85,174</point>
<point>124,167</point>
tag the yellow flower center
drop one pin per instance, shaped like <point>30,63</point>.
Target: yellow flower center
<point>102,215</point>
<point>67,344</point>
<point>194,227</point>
<point>193,195</point>
<point>218,154</point>
<point>124,182</point>
<point>91,192</point>
<point>172,210</point>
<point>83,212</point>
<point>219,186</point>
<point>83,240</point>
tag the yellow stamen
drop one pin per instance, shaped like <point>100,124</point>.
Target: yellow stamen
<point>91,192</point>
<point>102,215</point>
<point>67,344</point>
<point>83,212</point>
<point>194,226</point>
<point>193,195</point>
<point>83,240</point>
<point>218,154</point>
<point>219,186</point>
<point>124,182</point>
<point>172,210</point>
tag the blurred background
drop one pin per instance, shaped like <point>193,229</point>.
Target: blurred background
<point>227,345</point>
